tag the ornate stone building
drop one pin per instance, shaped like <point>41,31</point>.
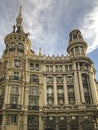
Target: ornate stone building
<point>40,92</point>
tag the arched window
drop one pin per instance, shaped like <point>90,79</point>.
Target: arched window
<point>34,78</point>
<point>20,48</point>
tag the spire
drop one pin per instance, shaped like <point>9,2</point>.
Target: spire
<point>18,28</point>
<point>19,21</point>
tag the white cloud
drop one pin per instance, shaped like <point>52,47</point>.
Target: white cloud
<point>90,29</point>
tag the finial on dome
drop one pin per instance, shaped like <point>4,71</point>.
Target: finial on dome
<point>19,21</point>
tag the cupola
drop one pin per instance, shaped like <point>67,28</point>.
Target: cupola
<point>77,46</point>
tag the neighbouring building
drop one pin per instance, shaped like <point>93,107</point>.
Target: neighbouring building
<point>39,92</point>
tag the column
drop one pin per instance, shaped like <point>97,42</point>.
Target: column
<point>65,92</point>
<point>25,121</point>
<point>4,121</point>
<point>68,123</point>
<point>76,86</point>
<point>26,98</point>
<point>81,87</point>
<point>41,125</point>
<point>6,96</point>
<point>45,90</point>
<point>93,88</point>
<point>55,92</point>
<point>22,95</point>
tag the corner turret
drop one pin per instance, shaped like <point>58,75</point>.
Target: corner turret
<point>18,40</point>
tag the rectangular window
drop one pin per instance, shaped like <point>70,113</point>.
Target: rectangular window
<point>58,68</point>
<point>49,80</point>
<point>33,101</point>
<point>71,95</point>
<point>59,79</point>
<point>12,119</point>
<point>66,67</point>
<point>1,91</point>
<point>14,89</point>
<point>50,101</point>
<point>49,68</point>
<point>0,119</point>
<point>36,67</point>
<point>69,79</point>
<point>50,89</point>
<point>33,122</point>
<point>13,100</point>
<point>34,91</point>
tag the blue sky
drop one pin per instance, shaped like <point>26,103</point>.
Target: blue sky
<point>50,22</point>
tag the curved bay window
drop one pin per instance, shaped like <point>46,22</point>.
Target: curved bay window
<point>86,88</point>
<point>34,78</point>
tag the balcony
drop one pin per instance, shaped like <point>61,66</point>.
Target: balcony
<point>33,108</point>
<point>15,78</point>
<point>13,106</point>
<point>60,95</point>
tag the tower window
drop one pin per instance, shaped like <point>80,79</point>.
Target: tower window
<point>20,48</point>
<point>12,47</point>
<point>77,52</point>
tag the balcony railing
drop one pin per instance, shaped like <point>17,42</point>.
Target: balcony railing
<point>33,107</point>
<point>13,106</point>
<point>15,78</point>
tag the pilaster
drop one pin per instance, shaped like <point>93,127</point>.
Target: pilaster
<point>55,92</point>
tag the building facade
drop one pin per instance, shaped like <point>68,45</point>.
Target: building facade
<point>39,92</point>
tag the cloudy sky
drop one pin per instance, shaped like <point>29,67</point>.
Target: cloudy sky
<point>50,22</point>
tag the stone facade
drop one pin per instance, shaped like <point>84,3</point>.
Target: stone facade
<point>39,92</point>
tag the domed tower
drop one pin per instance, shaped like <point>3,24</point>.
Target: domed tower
<point>77,46</point>
<point>18,40</point>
